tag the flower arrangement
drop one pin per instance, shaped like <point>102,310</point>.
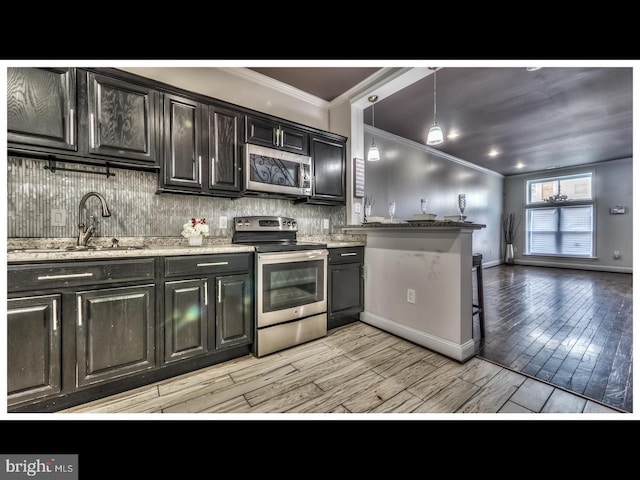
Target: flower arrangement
<point>197,227</point>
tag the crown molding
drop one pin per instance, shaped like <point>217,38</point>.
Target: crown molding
<point>277,85</point>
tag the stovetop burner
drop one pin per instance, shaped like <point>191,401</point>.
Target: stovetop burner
<point>270,234</point>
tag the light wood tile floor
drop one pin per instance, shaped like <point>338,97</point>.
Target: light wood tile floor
<point>355,369</point>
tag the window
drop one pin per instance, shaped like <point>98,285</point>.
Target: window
<point>560,216</point>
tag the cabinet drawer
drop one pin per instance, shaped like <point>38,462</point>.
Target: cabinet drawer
<point>205,264</point>
<point>59,275</point>
<point>346,254</point>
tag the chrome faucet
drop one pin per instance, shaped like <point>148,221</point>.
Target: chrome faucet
<point>85,231</point>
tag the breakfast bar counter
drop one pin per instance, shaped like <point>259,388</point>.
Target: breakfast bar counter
<point>418,283</point>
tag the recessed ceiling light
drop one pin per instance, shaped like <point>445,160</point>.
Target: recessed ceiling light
<point>519,165</point>
<point>493,153</point>
<point>551,167</point>
<point>453,134</point>
<point>533,69</point>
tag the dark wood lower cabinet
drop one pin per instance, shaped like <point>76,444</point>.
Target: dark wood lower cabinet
<point>78,331</point>
<point>234,310</point>
<point>115,330</point>
<point>33,347</point>
<point>211,312</point>
<point>185,319</point>
<point>345,283</point>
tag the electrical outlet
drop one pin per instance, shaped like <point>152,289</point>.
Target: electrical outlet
<point>325,224</point>
<point>411,295</point>
<point>58,217</point>
<point>222,222</point>
<point>616,254</point>
<point>357,207</point>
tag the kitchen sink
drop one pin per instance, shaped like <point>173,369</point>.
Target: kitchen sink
<point>74,248</point>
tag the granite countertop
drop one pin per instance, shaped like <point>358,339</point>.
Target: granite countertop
<point>413,225</point>
<point>54,249</point>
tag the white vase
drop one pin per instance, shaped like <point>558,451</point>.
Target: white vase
<point>195,241</point>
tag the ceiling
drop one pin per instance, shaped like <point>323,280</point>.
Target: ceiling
<point>535,120</point>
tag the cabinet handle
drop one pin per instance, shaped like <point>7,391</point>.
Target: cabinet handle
<point>71,123</point>
<point>206,293</point>
<point>68,275</point>
<point>213,170</point>
<point>277,137</point>
<point>348,254</point>
<point>212,264</point>
<point>55,314</point>
<point>79,302</point>
<point>93,126</point>
<point>219,291</point>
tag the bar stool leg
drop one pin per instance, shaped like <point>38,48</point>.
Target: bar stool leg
<point>480,298</point>
<point>479,307</point>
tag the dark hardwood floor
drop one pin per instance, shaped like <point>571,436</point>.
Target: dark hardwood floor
<point>570,328</point>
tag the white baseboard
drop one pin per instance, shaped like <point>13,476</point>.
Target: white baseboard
<point>574,266</point>
<point>461,353</point>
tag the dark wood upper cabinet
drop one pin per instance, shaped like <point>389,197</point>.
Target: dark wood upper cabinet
<point>329,163</point>
<point>82,116</point>
<point>225,132</point>
<point>182,159</point>
<point>41,107</point>
<point>271,133</point>
<point>329,157</point>
<point>196,143</point>
<point>122,118</point>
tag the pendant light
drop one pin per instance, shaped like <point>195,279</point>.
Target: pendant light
<point>374,153</point>
<point>435,135</point>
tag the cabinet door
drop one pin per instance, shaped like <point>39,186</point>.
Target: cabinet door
<point>182,160</point>
<point>329,169</point>
<point>225,150</point>
<point>185,319</point>
<point>41,107</point>
<point>122,119</point>
<point>346,292</point>
<point>33,348</point>
<point>272,134</point>
<point>234,311</point>
<point>115,332</point>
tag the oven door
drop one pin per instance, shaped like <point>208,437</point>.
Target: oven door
<point>291,285</point>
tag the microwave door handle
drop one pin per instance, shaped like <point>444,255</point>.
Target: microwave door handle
<point>301,175</point>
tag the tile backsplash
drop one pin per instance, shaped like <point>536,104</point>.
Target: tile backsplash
<point>35,194</point>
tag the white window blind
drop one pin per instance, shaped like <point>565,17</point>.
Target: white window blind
<point>564,231</point>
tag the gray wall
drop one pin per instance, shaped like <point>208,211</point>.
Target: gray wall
<point>407,172</point>
<point>136,209</point>
<point>613,183</point>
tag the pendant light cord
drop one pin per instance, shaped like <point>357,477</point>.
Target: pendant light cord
<point>373,115</point>
<point>434,95</point>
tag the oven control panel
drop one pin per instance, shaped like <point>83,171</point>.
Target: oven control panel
<point>264,224</point>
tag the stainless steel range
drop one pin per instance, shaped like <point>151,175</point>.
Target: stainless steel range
<point>291,283</point>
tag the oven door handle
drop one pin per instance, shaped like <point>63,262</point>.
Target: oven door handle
<point>292,256</point>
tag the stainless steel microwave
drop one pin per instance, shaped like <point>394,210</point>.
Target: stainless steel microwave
<point>273,171</point>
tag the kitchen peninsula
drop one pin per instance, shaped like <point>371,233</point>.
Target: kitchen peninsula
<point>418,283</point>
